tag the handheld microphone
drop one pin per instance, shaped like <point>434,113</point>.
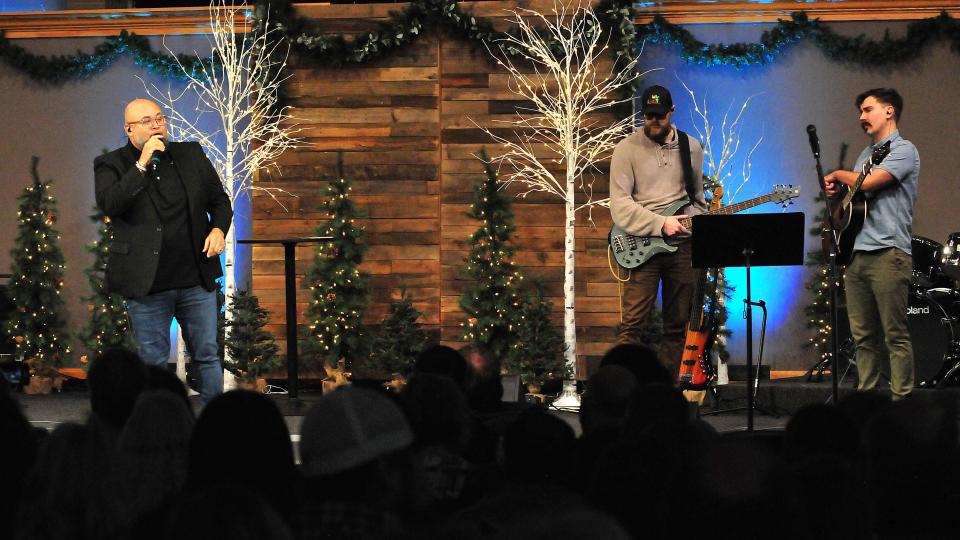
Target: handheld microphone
<point>155,158</point>
<point>814,140</point>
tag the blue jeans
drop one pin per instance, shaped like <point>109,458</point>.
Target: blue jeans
<point>195,309</point>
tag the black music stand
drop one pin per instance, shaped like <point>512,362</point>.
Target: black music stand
<point>748,240</point>
<point>290,286</point>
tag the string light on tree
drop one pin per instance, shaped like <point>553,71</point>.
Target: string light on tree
<point>495,306</point>
<point>818,310</point>
<point>35,325</point>
<point>485,265</point>
<point>339,291</point>
<point>107,325</point>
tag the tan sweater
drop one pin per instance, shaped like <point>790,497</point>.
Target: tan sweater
<point>646,177</point>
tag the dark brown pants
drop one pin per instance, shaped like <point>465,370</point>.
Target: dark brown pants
<point>640,296</point>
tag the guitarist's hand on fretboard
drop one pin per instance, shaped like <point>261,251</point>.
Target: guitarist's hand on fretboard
<point>832,186</point>
<point>672,225</point>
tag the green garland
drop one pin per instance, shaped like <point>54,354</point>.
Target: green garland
<point>858,50</point>
<point>616,15</point>
<point>406,25</point>
<point>58,69</point>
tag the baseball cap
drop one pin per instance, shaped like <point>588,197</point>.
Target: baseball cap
<point>656,100</point>
<point>349,427</point>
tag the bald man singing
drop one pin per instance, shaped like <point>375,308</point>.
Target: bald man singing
<point>169,214</point>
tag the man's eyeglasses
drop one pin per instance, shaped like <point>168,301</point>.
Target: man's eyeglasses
<point>148,121</point>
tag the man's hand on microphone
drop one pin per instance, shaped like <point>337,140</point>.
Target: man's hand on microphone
<point>214,243</point>
<point>153,144</point>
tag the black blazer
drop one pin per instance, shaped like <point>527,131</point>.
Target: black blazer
<point>137,236</point>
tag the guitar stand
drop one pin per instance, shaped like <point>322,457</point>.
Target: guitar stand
<point>817,370</point>
<point>757,406</point>
<point>847,351</point>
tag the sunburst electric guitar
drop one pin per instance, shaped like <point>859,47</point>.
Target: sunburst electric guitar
<point>633,251</point>
<point>695,370</point>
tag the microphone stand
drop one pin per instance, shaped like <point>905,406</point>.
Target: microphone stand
<point>833,249</point>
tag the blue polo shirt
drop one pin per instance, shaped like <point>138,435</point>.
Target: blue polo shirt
<point>890,209</point>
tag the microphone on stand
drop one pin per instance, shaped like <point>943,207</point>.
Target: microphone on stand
<point>814,140</point>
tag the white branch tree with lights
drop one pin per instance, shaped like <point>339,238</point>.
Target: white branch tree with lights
<point>241,89</point>
<point>722,147</point>
<point>552,62</point>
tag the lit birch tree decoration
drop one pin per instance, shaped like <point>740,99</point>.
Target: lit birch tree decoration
<point>552,63</point>
<point>722,147</point>
<point>241,87</point>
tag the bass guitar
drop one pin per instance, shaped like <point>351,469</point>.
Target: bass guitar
<point>695,370</point>
<point>633,251</point>
<point>851,212</point>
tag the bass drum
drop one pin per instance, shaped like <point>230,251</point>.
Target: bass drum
<point>933,331</point>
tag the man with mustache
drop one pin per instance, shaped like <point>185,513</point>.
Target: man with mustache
<point>648,172</point>
<point>169,215</point>
<point>877,280</point>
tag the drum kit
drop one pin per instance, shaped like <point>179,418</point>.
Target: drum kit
<point>933,312</point>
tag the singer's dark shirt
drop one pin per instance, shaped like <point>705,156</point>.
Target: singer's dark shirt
<point>177,267</point>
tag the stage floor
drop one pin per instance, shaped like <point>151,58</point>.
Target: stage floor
<point>778,399</point>
<point>781,397</point>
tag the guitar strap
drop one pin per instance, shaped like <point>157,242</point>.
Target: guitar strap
<point>685,161</point>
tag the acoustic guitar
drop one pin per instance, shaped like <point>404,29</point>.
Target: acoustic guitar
<point>851,212</point>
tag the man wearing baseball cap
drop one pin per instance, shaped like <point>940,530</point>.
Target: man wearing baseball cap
<point>650,170</point>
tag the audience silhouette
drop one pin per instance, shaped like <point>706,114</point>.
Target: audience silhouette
<point>446,458</point>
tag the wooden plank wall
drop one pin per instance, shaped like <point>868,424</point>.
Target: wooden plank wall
<point>405,124</point>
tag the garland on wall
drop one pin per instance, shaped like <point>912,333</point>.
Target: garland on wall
<point>409,23</point>
<point>858,50</point>
<point>58,69</point>
<point>406,25</point>
<point>403,28</point>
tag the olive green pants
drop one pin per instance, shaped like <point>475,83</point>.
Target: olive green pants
<point>877,285</point>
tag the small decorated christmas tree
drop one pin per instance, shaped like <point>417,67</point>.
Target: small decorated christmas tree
<point>400,340</point>
<point>338,289</point>
<point>493,304</point>
<point>36,325</point>
<point>252,349</point>
<point>538,351</point>
<point>108,325</point>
